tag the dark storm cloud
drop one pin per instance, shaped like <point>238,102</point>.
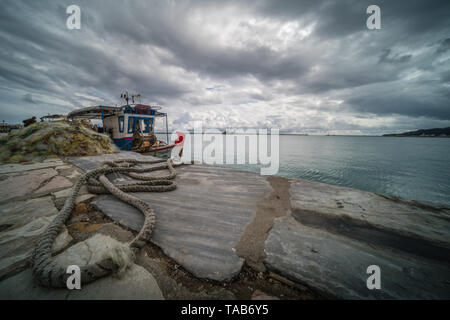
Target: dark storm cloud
<point>408,24</point>
<point>71,61</point>
<point>166,27</point>
<point>341,18</point>
<point>254,54</point>
<point>388,58</point>
<point>408,103</point>
<point>29,98</point>
<point>445,46</point>
<point>333,18</point>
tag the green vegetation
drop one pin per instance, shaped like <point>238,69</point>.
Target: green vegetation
<point>56,138</point>
<point>436,132</point>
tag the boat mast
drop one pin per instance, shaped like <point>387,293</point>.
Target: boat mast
<point>126,96</point>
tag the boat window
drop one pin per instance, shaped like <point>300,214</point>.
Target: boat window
<point>146,124</point>
<point>121,122</point>
<point>130,124</point>
<point>151,125</point>
<point>143,125</point>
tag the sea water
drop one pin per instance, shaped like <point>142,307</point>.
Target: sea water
<point>411,168</point>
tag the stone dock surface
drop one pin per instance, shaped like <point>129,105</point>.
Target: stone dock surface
<point>218,219</point>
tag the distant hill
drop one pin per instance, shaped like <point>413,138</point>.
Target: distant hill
<point>436,132</point>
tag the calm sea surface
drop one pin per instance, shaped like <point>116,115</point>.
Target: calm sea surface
<point>411,168</point>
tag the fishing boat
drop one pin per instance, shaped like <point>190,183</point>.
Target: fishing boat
<point>132,126</point>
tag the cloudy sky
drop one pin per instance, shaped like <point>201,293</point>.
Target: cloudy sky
<point>300,66</point>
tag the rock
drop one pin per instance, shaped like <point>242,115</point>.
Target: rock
<point>70,172</point>
<point>83,191</point>
<point>25,221</point>
<point>108,229</point>
<point>136,284</point>
<point>93,250</point>
<point>337,265</point>
<point>59,203</point>
<point>20,213</point>
<point>84,197</point>
<point>64,167</point>
<point>336,233</point>
<point>133,283</point>
<point>176,291</point>
<point>72,175</point>
<point>13,168</point>
<point>22,286</point>
<point>91,162</point>
<point>259,295</point>
<point>59,197</point>
<point>16,246</point>
<point>114,231</point>
<point>317,203</point>
<point>198,224</point>
<point>83,194</point>
<point>62,194</point>
<point>62,241</point>
<point>24,183</point>
<point>56,183</point>
<point>85,227</point>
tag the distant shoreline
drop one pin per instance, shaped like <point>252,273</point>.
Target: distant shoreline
<point>423,133</point>
<point>325,135</point>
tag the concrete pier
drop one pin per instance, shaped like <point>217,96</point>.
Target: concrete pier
<point>321,236</point>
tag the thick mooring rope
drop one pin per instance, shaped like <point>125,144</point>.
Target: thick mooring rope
<point>45,269</point>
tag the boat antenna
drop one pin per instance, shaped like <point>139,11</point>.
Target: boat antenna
<point>125,96</point>
<point>136,95</point>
